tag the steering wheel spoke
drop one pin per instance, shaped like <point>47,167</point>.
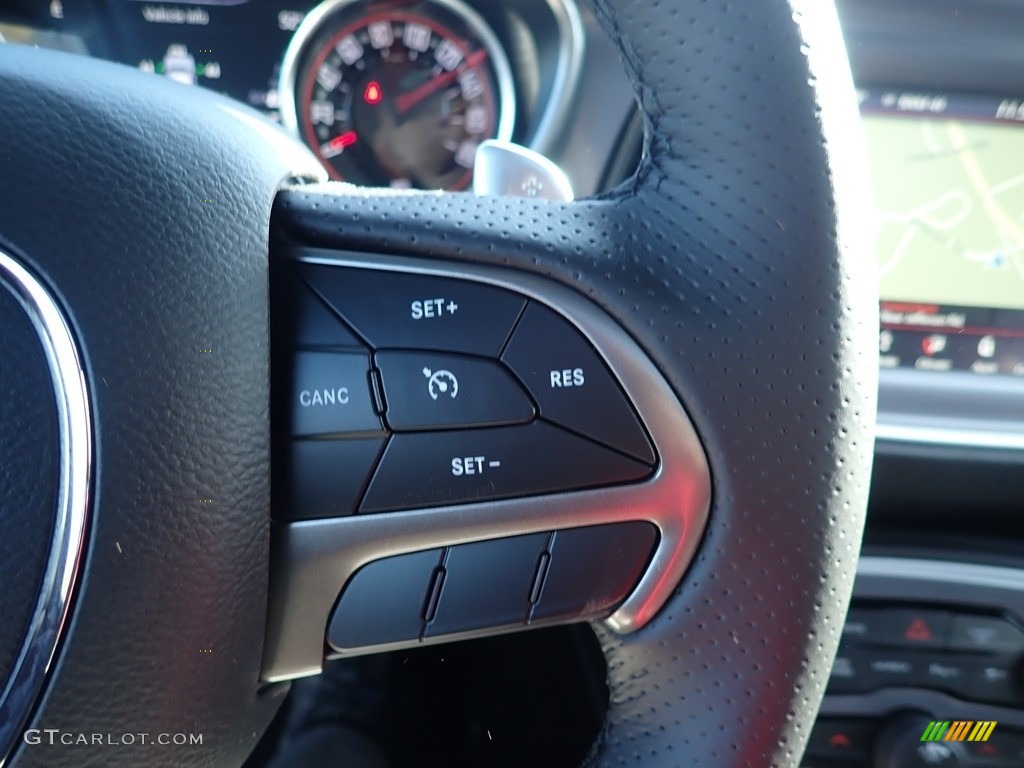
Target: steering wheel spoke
<point>473,391</point>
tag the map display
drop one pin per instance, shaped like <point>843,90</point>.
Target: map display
<point>949,194</point>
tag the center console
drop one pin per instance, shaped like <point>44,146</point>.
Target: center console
<point>929,672</point>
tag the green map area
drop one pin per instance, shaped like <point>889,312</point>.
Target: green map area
<point>950,197</point>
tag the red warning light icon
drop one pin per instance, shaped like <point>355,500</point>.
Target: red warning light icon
<point>372,94</point>
<point>918,631</point>
<point>840,741</point>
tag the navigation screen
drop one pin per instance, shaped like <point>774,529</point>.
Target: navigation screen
<point>948,180</point>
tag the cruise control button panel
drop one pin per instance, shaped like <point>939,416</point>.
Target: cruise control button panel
<point>423,391</point>
<point>510,459</point>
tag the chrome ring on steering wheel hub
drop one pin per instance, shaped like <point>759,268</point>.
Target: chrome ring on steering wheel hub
<point>45,470</point>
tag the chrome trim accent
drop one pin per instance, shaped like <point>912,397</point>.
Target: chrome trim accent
<point>311,561</point>
<point>313,21</point>
<point>571,49</point>
<point>949,436</point>
<point>941,571</point>
<point>75,424</point>
<point>953,409</point>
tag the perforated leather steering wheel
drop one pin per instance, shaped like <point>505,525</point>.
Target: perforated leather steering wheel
<point>727,286</point>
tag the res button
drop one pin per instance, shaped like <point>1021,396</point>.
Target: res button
<point>571,384</point>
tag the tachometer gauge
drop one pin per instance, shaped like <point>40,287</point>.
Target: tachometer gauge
<point>397,94</point>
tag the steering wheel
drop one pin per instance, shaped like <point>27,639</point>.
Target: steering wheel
<point>138,227</point>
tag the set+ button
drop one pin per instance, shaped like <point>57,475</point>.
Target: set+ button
<point>394,310</point>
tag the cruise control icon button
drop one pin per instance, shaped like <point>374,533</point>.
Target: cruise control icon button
<point>437,391</point>
<point>441,383</point>
<point>331,394</point>
<point>571,383</point>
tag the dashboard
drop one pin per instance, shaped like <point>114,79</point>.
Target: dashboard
<point>401,93</point>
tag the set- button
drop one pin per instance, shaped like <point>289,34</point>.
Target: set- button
<point>433,469</point>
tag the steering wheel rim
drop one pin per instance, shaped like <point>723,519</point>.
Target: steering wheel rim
<point>734,258</point>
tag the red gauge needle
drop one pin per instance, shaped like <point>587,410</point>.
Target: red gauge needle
<point>345,140</point>
<point>407,101</point>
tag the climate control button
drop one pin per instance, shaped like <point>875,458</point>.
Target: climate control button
<point>985,634</point>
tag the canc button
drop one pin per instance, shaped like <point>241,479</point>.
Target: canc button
<point>330,394</point>
<point>571,384</point>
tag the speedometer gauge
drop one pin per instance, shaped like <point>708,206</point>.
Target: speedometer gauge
<point>397,94</point>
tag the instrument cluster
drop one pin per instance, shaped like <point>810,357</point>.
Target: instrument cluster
<point>392,93</point>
